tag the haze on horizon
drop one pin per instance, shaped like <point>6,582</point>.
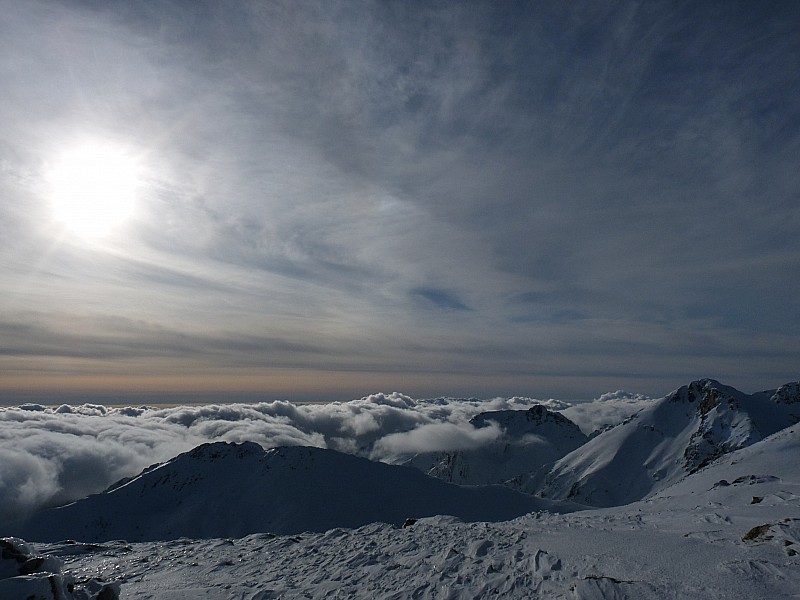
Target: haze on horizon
<point>322,199</point>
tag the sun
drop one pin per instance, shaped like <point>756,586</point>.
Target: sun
<point>93,189</point>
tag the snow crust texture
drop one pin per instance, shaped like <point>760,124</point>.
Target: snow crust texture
<point>26,575</point>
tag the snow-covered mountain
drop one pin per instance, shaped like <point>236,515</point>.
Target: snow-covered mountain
<point>666,441</point>
<point>729,530</point>
<point>231,490</point>
<point>531,438</point>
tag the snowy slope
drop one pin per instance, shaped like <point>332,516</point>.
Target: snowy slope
<point>664,442</point>
<point>231,490</point>
<point>531,438</point>
<point>703,538</point>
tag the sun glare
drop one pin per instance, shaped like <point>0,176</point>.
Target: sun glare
<point>93,189</point>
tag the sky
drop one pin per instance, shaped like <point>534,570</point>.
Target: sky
<point>327,199</point>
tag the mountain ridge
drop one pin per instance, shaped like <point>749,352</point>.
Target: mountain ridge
<point>655,447</point>
<point>223,489</point>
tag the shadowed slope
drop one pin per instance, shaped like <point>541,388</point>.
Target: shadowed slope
<point>231,490</point>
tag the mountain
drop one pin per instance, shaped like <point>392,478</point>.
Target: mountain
<point>231,490</point>
<point>729,530</point>
<point>531,438</point>
<point>664,442</point>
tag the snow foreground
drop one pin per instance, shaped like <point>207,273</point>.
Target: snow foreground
<point>731,530</point>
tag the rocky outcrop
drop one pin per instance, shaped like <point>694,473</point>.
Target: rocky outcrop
<point>788,393</point>
<point>724,425</point>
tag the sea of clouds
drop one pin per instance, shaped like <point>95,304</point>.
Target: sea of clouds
<point>53,455</point>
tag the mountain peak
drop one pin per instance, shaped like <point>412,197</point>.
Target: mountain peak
<point>212,451</point>
<point>519,422</point>
<point>788,393</point>
<point>707,393</point>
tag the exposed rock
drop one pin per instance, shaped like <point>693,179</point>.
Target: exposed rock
<point>787,394</point>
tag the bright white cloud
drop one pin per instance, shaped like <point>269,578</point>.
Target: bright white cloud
<point>436,437</point>
<point>608,410</point>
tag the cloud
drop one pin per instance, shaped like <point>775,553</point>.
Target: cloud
<point>608,410</point>
<point>441,299</point>
<point>53,455</point>
<point>51,458</point>
<point>436,437</point>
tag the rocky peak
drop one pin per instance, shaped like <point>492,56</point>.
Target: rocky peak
<point>520,421</point>
<point>694,392</point>
<point>27,574</point>
<point>788,393</point>
<point>707,394</point>
<point>215,450</point>
<point>539,414</point>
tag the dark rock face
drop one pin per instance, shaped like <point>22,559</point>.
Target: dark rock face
<point>787,394</point>
<point>724,426</point>
<point>535,415</point>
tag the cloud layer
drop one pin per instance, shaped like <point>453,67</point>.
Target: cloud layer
<point>52,455</point>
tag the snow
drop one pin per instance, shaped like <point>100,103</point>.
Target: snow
<point>530,439</point>
<point>27,575</point>
<point>686,542</point>
<point>661,444</point>
<point>716,472</point>
<point>226,489</point>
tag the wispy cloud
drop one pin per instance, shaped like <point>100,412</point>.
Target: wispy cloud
<point>586,196</point>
